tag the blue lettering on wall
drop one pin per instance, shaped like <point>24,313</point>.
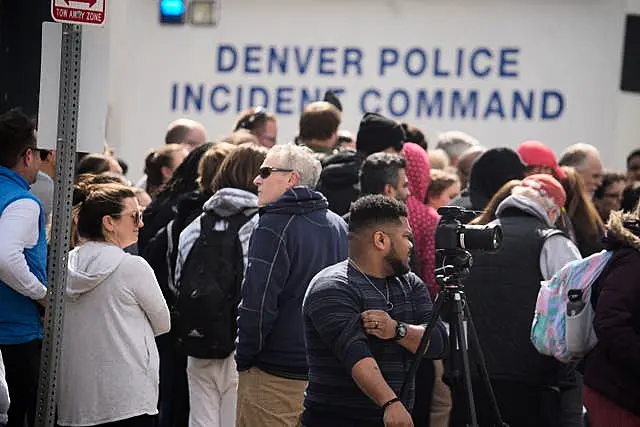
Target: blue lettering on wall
<point>525,105</point>
<point>509,62</point>
<point>258,95</point>
<point>460,106</point>
<point>370,106</point>
<point>552,105</point>
<point>195,97</point>
<point>214,99</point>
<point>399,102</point>
<point>388,57</point>
<point>437,71</point>
<point>227,58</point>
<point>327,61</point>
<point>252,59</point>
<point>352,59</point>
<point>494,106</point>
<point>415,62</point>
<point>277,58</point>
<point>432,104</point>
<point>284,100</point>
<point>473,62</point>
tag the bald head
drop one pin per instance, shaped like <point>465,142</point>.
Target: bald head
<point>186,132</point>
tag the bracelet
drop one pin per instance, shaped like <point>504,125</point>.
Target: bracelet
<point>389,403</point>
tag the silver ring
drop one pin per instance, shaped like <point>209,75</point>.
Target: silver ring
<point>376,327</point>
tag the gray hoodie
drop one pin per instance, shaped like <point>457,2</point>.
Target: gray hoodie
<point>558,250</point>
<point>225,203</point>
<point>109,367</point>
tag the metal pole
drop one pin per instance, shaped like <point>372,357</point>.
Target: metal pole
<point>60,222</point>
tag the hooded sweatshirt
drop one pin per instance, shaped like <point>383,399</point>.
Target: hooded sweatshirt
<point>558,250</point>
<point>296,237</point>
<point>423,219</point>
<point>225,203</point>
<point>109,368</point>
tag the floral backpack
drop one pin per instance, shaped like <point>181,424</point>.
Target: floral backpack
<point>554,332</point>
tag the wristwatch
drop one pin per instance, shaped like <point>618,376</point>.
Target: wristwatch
<point>401,331</point>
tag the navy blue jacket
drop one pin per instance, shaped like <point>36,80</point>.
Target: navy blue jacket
<point>296,237</point>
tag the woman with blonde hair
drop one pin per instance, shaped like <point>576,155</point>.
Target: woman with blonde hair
<point>113,310</point>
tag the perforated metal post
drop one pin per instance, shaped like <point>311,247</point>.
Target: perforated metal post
<point>60,222</point>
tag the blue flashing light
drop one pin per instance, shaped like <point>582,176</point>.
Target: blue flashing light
<point>172,11</point>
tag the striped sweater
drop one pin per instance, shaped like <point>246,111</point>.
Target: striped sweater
<point>336,341</point>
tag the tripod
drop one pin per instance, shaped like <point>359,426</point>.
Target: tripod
<point>452,292</point>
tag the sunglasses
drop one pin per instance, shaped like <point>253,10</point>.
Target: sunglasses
<point>259,114</point>
<point>136,215</point>
<point>266,171</point>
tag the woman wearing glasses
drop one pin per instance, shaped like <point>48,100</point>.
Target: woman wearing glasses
<point>113,310</point>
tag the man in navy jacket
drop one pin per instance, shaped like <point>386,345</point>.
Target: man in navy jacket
<point>296,237</point>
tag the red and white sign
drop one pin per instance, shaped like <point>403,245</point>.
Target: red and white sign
<point>90,12</point>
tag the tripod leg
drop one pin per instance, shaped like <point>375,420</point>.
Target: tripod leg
<point>462,339</point>
<point>475,344</point>
<point>422,347</point>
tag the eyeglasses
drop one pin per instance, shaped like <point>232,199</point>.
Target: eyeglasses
<point>259,114</point>
<point>135,215</point>
<point>266,171</point>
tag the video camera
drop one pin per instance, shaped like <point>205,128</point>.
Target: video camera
<point>453,234</point>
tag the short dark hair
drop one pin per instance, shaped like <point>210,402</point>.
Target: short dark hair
<point>375,209</point>
<point>415,135</point>
<point>94,163</point>
<point>154,162</point>
<point>97,201</point>
<point>17,134</point>
<point>608,178</point>
<point>378,170</point>
<point>177,134</point>
<point>634,153</point>
<point>44,154</point>
<point>254,120</point>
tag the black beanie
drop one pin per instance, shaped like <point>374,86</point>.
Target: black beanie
<point>332,99</point>
<point>494,168</point>
<point>377,133</point>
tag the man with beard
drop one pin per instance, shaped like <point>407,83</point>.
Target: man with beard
<point>364,318</point>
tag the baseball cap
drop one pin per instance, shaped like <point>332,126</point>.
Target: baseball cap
<point>535,153</point>
<point>547,186</point>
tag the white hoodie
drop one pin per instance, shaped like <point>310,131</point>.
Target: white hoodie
<point>114,308</point>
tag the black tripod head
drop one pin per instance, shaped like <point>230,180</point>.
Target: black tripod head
<point>455,267</point>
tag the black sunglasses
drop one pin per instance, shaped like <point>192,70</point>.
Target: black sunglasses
<point>266,171</point>
<point>259,114</point>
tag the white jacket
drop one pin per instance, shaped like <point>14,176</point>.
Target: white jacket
<point>4,394</point>
<point>114,308</point>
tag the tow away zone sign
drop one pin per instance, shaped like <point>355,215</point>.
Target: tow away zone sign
<point>89,12</point>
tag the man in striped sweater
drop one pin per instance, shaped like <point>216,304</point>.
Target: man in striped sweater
<point>364,318</point>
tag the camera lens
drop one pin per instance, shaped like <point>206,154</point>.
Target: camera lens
<point>481,237</point>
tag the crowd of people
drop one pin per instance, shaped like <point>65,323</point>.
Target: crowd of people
<point>249,282</point>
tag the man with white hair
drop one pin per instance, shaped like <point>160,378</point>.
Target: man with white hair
<point>502,290</point>
<point>296,237</point>
<point>585,158</point>
<point>454,143</point>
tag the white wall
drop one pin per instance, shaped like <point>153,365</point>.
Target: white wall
<point>146,58</point>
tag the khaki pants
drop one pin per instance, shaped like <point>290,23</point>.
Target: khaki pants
<point>265,400</point>
<point>441,402</point>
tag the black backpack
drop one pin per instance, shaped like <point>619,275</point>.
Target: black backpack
<point>209,289</point>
